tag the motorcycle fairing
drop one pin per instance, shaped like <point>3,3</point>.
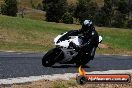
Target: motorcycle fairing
<point>65,43</point>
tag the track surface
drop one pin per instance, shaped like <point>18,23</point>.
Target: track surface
<point>29,64</point>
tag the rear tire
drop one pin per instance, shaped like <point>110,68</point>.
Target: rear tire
<point>51,57</point>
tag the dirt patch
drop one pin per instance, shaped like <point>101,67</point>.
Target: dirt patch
<point>103,46</point>
<point>129,52</point>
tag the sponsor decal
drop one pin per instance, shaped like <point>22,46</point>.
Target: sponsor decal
<point>83,78</point>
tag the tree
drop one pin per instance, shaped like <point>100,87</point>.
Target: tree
<point>108,12</point>
<point>130,8</point>
<point>81,9</point>
<point>71,8</point>
<point>32,4</point>
<point>100,18</point>
<point>129,24</point>
<point>55,10</point>
<point>22,11</point>
<point>85,10</point>
<point>39,6</point>
<point>67,18</point>
<point>123,6</point>
<point>121,13</point>
<point>119,20</point>
<point>9,8</point>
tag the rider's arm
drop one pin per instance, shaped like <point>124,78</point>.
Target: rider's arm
<point>93,40</point>
<point>69,33</point>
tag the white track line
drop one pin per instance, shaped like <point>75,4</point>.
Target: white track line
<point>53,77</point>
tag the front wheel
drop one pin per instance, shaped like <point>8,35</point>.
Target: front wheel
<point>51,57</point>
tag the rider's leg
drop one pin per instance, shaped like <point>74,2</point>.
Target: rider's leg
<point>92,54</point>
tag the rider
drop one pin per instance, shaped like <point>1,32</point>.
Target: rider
<point>90,38</point>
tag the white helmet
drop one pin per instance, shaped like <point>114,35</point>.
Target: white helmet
<point>86,24</point>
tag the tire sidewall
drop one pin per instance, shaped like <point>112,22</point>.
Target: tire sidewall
<point>52,56</point>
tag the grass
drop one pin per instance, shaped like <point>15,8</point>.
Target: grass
<point>64,84</point>
<point>19,34</point>
<point>35,16</point>
<point>46,84</point>
<point>67,84</point>
<point>119,40</point>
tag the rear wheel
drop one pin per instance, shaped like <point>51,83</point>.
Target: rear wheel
<point>51,57</point>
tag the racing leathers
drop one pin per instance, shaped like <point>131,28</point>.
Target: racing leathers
<point>90,40</point>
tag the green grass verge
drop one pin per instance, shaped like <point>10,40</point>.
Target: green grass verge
<point>64,84</point>
<point>30,35</point>
<point>118,40</point>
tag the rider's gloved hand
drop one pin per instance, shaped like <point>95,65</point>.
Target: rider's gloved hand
<point>74,46</point>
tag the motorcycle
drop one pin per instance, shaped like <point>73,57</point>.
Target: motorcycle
<point>64,54</point>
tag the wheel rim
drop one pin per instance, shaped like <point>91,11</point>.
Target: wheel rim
<point>50,58</point>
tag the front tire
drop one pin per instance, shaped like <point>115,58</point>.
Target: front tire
<point>51,57</point>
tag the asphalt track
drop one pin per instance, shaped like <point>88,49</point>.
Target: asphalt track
<point>14,65</point>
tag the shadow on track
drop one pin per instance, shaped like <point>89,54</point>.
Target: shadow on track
<point>68,66</point>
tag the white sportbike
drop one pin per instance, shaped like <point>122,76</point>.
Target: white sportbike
<point>64,54</point>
